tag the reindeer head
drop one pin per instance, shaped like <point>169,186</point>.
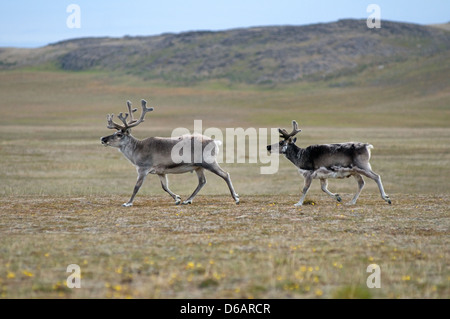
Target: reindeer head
<point>288,139</point>
<point>122,135</point>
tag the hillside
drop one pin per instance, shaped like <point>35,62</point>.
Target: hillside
<point>253,55</point>
<point>444,26</point>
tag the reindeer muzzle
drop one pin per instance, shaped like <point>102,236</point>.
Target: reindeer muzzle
<point>104,141</point>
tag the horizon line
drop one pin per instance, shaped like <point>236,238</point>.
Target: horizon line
<point>34,45</point>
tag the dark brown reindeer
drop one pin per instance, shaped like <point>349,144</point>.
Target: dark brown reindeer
<point>328,161</point>
<point>156,155</point>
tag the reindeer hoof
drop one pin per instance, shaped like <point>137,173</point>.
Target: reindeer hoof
<point>338,198</point>
<point>177,200</point>
<point>298,204</point>
<point>187,202</point>
<point>127,204</point>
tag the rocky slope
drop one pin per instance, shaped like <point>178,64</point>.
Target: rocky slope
<point>254,55</point>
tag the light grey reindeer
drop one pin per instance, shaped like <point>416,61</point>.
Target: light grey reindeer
<point>328,161</point>
<point>154,155</point>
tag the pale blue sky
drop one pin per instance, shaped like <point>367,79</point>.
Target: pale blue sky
<point>32,23</point>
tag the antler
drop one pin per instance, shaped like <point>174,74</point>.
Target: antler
<point>112,124</point>
<point>133,122</point>
<point>145,109</point>
<point>286,135</point>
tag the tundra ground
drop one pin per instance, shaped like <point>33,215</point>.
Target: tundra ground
<point>262,248</point>
<point>61,191</point>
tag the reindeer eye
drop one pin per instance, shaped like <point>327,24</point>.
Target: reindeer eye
<point>119,135</point>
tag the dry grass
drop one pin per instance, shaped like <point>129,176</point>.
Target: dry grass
<point>263,248</point>
<point>60,194</point>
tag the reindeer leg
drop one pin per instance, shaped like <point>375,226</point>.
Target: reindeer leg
<point>361,183</point>
<point>324,184</point>
<point>366,171</point>
<point>216,169</point>
<point>141,177</point>
<point>201,183</point>
<point>308,180</point>
<point>165,186</point>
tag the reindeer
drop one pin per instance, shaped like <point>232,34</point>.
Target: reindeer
<point>328,161</point>
<point>154,155</point>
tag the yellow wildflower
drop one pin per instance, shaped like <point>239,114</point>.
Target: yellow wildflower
<point>406,278</point>
<point>190,265</point>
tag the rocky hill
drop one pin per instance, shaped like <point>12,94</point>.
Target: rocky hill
<point>252,55</point>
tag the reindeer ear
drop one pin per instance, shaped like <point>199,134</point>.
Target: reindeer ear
<point>292,140</point>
